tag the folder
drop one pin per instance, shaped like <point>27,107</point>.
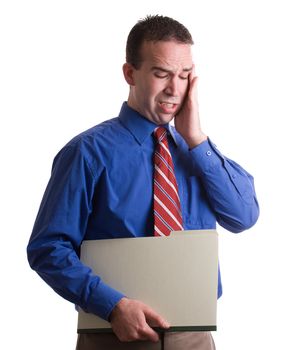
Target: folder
<point>176,275</point>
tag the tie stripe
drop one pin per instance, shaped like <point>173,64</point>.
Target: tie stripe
<point>166,195</point>
<point>161,223</point>
<point>167,212</point>
<point>165,148</point>
<point>159,157</point>
<point>158,232</point>
<point>165,181</point>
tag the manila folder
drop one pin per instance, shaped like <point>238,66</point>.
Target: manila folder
<point>177,276</point>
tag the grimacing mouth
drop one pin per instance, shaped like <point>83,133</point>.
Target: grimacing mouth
<point>168,104</point>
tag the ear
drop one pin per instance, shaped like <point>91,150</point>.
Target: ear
<point>128,71</point>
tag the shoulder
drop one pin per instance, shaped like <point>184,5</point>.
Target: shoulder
<point>93,145</point>
<point>98,134</point>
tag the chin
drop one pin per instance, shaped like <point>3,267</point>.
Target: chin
<point>165,119</point>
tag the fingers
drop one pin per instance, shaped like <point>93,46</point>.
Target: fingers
<point>192,74</point>
<point>191,95</point>
<point>187,121</point>
<point>193,83</point>
<point>132,320</point>
<point>154,319</point>
<point>147,333</point>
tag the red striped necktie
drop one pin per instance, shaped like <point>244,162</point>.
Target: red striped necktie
<point>167,211</point>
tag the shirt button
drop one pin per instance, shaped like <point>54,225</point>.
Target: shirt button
<point>208,153</point>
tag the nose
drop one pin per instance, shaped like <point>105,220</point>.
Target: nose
<point>172,88</point>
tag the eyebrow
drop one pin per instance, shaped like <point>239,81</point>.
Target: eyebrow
<point>169,70</point>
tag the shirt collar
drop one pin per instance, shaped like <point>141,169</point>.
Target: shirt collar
<point>139,126</point>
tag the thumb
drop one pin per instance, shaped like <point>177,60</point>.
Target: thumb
<point>154,319</point>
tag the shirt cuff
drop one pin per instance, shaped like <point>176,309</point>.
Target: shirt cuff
<point>205,156</point>
<point>103,299</point>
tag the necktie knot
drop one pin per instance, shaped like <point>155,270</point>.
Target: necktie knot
<point>160,133</point>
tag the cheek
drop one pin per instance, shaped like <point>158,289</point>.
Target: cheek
<point>152,89</point>
<point>157,88</point>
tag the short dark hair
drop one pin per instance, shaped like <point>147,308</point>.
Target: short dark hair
<point>154,28</point>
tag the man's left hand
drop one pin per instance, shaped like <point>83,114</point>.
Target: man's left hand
<point>187,121</point>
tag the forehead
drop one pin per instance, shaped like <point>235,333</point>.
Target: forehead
<point>169,54</point>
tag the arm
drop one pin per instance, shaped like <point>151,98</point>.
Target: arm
<point>53,249</point>
<point>229,188</point>
<point>59,230</point>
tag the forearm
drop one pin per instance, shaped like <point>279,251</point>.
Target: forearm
<point>56,262</point>
<point>229,188</point>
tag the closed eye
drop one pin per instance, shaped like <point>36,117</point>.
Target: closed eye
<point>161,76</point>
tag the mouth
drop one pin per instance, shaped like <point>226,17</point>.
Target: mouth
<point>168,107</point>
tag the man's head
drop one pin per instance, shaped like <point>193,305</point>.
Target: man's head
<point>159,61</point>
<point>154,28</point>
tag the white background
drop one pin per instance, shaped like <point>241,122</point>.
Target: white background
<point>60,73</point>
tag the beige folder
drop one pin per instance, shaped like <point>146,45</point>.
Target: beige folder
<point>176,275</point>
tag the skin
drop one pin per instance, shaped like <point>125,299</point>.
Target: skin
<point>163,88</point>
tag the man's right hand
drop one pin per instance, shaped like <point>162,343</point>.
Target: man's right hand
<point>132,320</point>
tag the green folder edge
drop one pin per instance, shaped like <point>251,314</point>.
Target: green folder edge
<point>158,330</point>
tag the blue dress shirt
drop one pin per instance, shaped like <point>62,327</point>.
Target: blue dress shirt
<point>101,187</point>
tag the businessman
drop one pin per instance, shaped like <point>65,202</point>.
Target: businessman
<point>134,176</point>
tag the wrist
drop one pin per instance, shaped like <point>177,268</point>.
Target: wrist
<point>194,141</point>
<point>118,307</point>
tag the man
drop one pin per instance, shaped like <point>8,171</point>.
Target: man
<point>102,187</point>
